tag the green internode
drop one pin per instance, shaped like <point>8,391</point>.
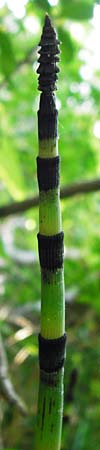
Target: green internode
<point>48,148</point>
<point>52,304</point>
<point>49,212</point>
<point>50,410</point>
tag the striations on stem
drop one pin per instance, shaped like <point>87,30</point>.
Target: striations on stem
<point>48,75</point>
<point>49,56</point>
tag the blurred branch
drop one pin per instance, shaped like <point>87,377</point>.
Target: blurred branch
<point>28,59</point>
<point>18,207</point>
<point>67,191</point>
<point>84,187</point>
<point>7,390</point>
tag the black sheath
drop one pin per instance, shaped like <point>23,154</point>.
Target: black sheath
<point>52,353</point>
<point>48,173</point>
<point>51,251</point>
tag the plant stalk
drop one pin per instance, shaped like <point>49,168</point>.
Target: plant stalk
<point>52,337</point>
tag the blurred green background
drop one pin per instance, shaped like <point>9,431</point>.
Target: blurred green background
<point>78,100</point>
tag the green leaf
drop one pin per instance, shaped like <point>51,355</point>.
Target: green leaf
<point>68,46</point>
<point>77,10</point>
<point>41,5</point>
<point>7,60</point>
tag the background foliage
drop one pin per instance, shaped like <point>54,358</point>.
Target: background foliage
<point>78,101</point>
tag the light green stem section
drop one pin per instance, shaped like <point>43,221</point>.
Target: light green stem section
<point>50,411</point>
<point>52,304</point>
<point>48,148</point>
<point>49,212</point>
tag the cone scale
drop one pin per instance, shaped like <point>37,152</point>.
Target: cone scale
<point>52,337</point>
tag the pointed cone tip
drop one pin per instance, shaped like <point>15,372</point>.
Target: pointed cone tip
<point>47,22</point>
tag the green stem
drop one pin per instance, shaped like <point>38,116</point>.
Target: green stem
<point>50,410</point>
<point>49,212</point>
<point>52,304</point>
<point>50,239</point>
<point>48,147</point>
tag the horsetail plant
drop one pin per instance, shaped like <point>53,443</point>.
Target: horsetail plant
<point>52,337</point>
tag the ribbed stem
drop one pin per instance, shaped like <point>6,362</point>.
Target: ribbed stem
<point>51,145</point>
<point>49,212</point>
<point>50,410</point>
<point>52,336</point>
<point>52,292</point>
<point>52,298</point>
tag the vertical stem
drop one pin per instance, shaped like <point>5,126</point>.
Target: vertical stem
<point>52,336</point>
<point>50,410</point>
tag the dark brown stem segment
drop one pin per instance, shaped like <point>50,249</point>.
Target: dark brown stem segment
<point>49,55</point>
<point>48,75</point>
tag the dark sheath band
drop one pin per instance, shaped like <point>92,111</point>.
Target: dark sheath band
<point>48,173</point>
<point>47,125</point>
<point>51,251</point>
<point>52,353</point>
